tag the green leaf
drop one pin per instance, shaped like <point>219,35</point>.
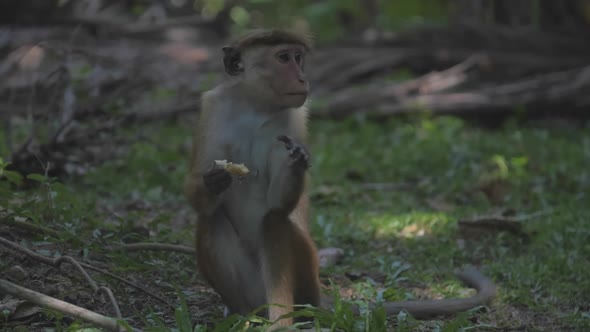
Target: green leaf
<point>13,176</point>
<point>37,177</point>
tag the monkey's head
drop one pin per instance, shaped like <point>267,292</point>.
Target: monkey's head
<point>270,63</point>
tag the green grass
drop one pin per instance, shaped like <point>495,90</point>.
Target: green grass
<point>403,241</point>
<point>446,160</point>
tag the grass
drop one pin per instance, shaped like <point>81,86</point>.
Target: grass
<point>388,193</point>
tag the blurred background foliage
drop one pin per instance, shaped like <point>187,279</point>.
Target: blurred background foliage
<point>336,19</point>
<point>328,19</point>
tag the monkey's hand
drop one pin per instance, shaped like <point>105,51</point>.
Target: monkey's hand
<point>217,180</point>
<point>298,153</point>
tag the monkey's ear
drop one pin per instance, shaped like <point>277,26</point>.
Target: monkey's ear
<point>232,60</point>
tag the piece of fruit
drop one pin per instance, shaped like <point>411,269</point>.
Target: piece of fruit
<point>235,169</point>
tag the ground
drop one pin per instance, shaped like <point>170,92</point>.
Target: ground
<point>390,194</point>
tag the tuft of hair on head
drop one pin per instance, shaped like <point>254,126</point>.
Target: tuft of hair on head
<point>272,37</point>
<point>261,37</point>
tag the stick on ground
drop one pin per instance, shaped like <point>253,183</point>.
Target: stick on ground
<point>61,306</point>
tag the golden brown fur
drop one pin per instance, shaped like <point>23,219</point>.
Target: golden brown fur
<point>252,235</point>
<point>271,37</point>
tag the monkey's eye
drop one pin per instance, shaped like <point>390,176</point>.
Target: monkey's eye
<point>298,57</point>
<point>283,56</point>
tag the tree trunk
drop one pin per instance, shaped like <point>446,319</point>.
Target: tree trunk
<point>549,15</point>
<point>513,13</point>
<point>468,11</point>
<point>562,15</point>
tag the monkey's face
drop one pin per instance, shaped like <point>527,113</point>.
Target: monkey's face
<point>278,74</point>
<point>288,80</point>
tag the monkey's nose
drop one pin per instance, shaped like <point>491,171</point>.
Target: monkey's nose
<point>301,77</point>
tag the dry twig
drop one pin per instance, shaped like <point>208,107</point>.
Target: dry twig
<point>57,263</point>
<point>497,223</point>
<point>27,226</point>
<point>61,306</point>
<point>52,262</point>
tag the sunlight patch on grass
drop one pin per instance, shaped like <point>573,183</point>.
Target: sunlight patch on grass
<point>408,225</point>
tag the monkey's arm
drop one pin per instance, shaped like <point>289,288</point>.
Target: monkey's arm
<point>199,196</point>
<point>201,179</point>
<point>289,162</point>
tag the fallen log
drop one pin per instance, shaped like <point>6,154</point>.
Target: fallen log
<point>535,94</point>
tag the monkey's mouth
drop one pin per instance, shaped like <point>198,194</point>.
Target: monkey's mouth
<point>296,93</point>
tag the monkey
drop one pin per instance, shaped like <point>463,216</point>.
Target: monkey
<point>252,237</point>
<point>252,240</point>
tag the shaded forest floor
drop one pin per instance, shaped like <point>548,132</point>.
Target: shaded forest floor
<point>409,199</point>
<point>389,194</point>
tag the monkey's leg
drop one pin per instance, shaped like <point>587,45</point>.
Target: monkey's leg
<point>278,267</point>
<point>307,283</point>
<point>227,266</point>
<point>289,266</point>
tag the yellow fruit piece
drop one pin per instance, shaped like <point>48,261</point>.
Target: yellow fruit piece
<point>235,169</point>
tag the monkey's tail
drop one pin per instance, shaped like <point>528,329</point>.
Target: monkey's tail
<point>421,309</point>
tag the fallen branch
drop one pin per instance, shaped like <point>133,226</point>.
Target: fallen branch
<point>91,282</point>
<point>51,262</point>
<point>498,222</point>
<point>357,65</point>
<point>127,282</point>
<point>353,98</point>
<point>26,159</point>
<point>492,224</point>
<point>538,93</point>
<point>369,66</point>
<point>27,226</point>
<point>45,301</point>
<point>57,263</point>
